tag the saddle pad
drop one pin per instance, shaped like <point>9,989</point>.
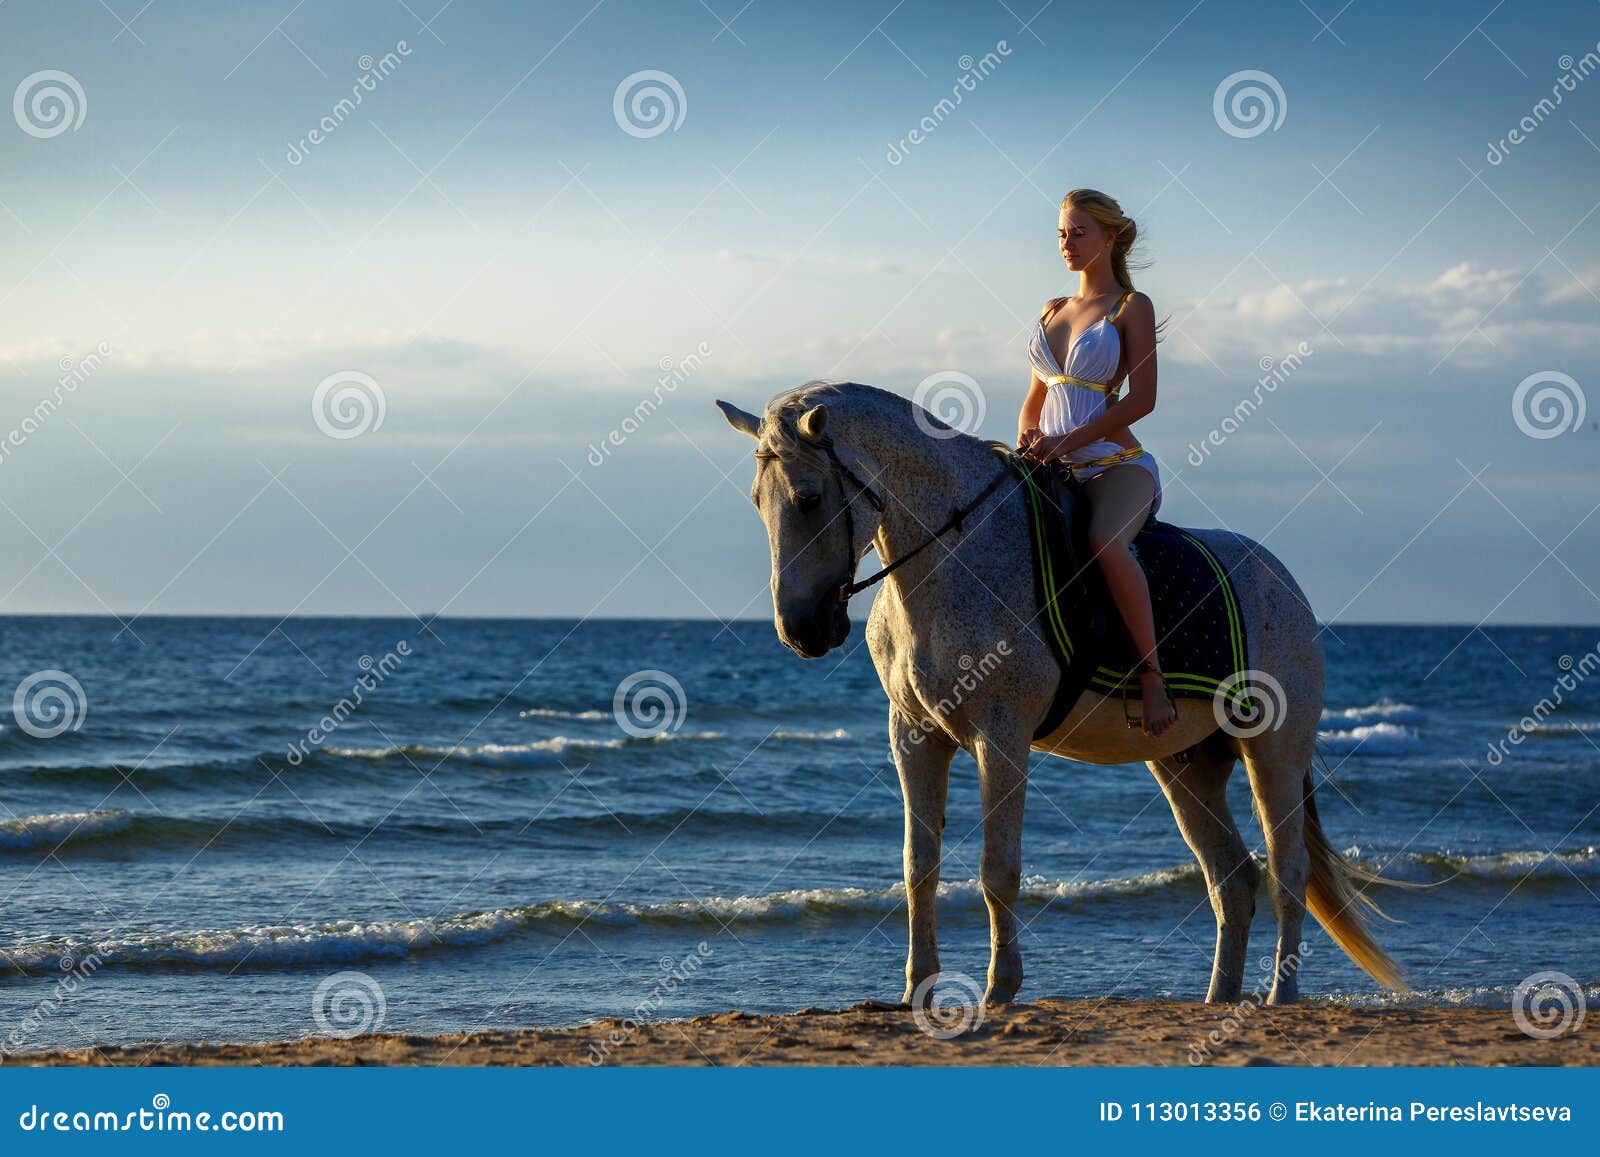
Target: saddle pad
<point>1060,589</point>
<point>1199,631</point>
<point>1200,634</point>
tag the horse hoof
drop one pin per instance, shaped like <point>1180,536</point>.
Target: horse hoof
<point>1002,993</point>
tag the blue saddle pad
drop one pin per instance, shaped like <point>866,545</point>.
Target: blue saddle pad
<point>1200,635</point>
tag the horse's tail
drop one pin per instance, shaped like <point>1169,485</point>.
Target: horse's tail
<point>1342,908</point>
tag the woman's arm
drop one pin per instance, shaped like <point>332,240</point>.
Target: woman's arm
<point>1139,340</point>
<point>1032,406</point>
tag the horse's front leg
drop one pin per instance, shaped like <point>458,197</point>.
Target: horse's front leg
<point>922,755</point>
<point>1002,755</point>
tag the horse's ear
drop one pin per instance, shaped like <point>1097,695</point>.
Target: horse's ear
<point>813,422</point>
<point>740,420</point>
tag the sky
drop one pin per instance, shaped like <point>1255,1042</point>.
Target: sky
<point>267,349</point>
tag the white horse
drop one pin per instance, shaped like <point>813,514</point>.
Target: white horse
<point>843,467</point>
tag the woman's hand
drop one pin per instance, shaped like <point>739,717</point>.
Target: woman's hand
<point>1027,438</point>
<point>1045,447</point>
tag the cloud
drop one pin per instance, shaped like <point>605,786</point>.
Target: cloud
<point>1465,317</point>
<point>1469,315</point>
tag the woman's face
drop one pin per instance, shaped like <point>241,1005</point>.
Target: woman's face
<point>1082,240</point>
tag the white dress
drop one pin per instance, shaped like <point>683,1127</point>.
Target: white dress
<point>1093,358</point>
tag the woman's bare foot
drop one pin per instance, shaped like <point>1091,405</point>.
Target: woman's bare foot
<point>1159,713</point>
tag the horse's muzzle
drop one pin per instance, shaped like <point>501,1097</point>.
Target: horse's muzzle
<point>815,631</point>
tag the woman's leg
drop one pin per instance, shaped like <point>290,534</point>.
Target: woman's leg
<point>1119,502</point>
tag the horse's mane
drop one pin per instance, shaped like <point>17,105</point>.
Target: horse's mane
<point>781,424</point>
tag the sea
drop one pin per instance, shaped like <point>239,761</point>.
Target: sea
<point>243,830</point>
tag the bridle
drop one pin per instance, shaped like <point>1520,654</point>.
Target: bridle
<point>848,587</point>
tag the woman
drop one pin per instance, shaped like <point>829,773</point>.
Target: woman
<point>1081,349</point>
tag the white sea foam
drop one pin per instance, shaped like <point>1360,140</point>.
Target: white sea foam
<point>1465,996</point>
<point>1370,739</point>
<point>345,940</point>
<point>1564,729</point>
<point>1383,711</point>
<point>46,831</point>
<point>1583,863</point>
<point>512,752</point>
<point>534,749</point>
<point>1515,865</point>
<point>556,713</point>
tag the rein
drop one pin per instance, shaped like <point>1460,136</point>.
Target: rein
<point>850,588</point>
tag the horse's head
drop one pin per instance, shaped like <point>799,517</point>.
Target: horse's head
<point>820,519</point>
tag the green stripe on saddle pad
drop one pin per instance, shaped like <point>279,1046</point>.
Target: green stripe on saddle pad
<point>1200,635</point>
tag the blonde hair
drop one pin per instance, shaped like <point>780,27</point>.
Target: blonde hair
<point>1110,217</point>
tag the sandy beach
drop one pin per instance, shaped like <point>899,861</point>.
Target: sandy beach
<point>1048,1032</point>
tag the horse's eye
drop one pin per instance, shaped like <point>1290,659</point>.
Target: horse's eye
<point>807,502</point>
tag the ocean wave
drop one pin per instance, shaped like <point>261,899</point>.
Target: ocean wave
<point>87,833</point>
<point>335,941</point>
<point>1383,711</point>
<point>1463,996</point>
<point>532,751</point>
<point>541,750</point>
<point>339,941</point>
<point>593,715</point>
<point>1573,729</point>
<point>50,830</point>
<point>1370,739</point>
<point>1582,863</point>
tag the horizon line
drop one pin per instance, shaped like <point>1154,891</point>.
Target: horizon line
<point>111,616</point>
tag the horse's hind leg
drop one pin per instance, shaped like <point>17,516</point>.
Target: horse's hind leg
<point>1277,761</point>
<point>922,756</point>
<point>1198,793</point>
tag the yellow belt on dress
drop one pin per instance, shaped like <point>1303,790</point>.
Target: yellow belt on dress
<point>1120,456</point>
<point>1068,379</point>
<point>1116,459</point>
